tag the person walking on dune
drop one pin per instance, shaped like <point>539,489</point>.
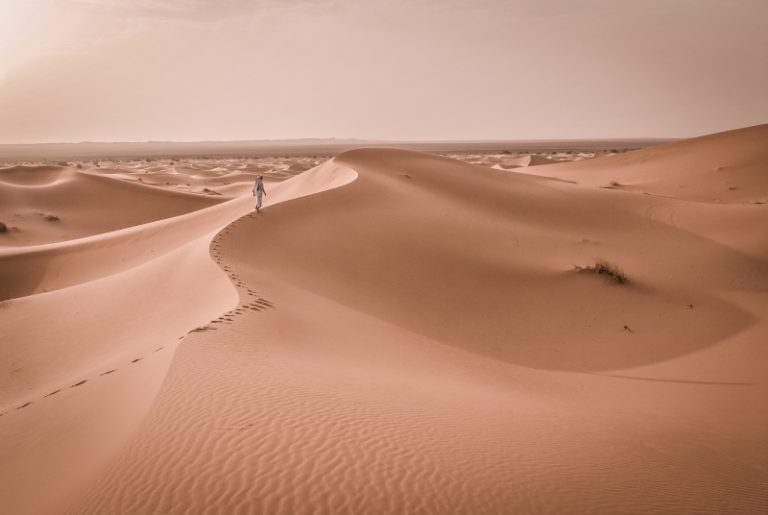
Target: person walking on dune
<point>258,191</point>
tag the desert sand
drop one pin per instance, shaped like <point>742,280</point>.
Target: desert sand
<point>395,332</point>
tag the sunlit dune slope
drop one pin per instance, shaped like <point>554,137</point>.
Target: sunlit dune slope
<point>51,204</point>
<point>728,167</point>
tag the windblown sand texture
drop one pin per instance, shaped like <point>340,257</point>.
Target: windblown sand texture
<point>395,332</point>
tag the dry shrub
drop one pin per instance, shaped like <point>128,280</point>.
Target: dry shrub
<point>604,268</point>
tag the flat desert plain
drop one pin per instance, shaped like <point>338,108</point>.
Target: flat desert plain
<point>395,332</point>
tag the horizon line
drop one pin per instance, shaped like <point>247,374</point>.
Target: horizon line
<point>346,140</point>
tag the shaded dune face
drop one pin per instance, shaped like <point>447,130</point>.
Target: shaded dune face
<point>483,260</point>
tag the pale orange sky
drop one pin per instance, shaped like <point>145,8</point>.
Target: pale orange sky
<point>135,70</point>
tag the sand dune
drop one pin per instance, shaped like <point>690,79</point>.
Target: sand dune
<point>407,333</point>
<point>33,175</point>
<point>724,168</point>
<point>508,163</point>
<point>83,204</point>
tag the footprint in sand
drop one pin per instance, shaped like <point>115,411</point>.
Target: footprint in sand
<point>79,383</point>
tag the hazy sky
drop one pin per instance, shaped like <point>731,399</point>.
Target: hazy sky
<point>135,70</point>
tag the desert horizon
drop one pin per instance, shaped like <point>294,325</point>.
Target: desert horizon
<point>48,152</point>
<point>473,306</point>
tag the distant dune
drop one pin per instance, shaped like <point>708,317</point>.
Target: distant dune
<point>721,168</point>
<point>395,332</point>
<point>299,147</point>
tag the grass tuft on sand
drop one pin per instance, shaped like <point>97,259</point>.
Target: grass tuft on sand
<point>604,268</point>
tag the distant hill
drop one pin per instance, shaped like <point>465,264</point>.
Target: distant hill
<point>100,150</point>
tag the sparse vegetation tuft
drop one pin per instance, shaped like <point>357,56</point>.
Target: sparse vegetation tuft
<point>606,269</point>
<point>52,218</point>
<point>614,184</point>
<point>3,227</point>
